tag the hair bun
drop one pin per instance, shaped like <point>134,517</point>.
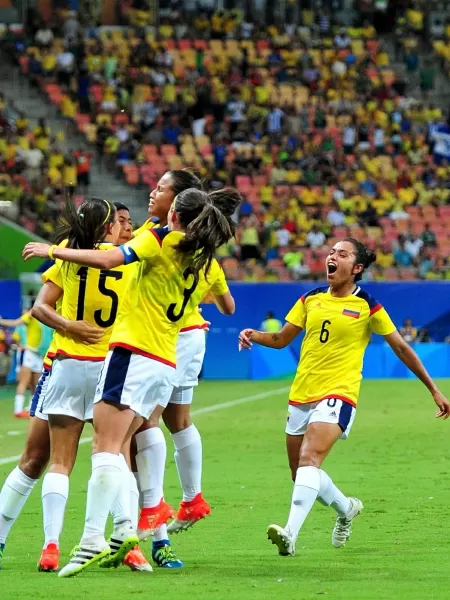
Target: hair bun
<point>371,257</point>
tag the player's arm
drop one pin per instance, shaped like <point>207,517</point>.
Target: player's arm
<point>11,322</point>
<point>225,303</point>
<point>409,358</point>
<point>44,311</point>
<point>220,293</point>
<point>278,340</point>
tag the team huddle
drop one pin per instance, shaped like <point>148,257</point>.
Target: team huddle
<point>127,351</point>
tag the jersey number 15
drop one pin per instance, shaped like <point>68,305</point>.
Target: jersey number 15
<point>82,274</point>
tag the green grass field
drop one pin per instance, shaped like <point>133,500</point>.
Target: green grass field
<point>396,460</point>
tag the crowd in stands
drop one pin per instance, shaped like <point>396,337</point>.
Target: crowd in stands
<point>313,128</point>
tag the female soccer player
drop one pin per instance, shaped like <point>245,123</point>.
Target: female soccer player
<point>23,478</point>
<point>150,439</point>
<point>86,294</point>
<point>338,321</point>
<point>177,269</point>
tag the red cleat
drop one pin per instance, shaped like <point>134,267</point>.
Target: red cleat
<point>49,559</point>
<point>24,414</point>
<point>152,518</point>
<point>189,513</point>
<point>136,561</point>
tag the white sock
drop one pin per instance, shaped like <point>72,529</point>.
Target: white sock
<point>134,500</point>
<point>55,491</point>
<point>161,534</point>
<point>102,491</point>
<point>188,458</point>
<point>306,488</point>
<point>330,495</point>
<point>14,494</point>
<point>120,509</point>
<point>151,462</point>
<point>19,401</point>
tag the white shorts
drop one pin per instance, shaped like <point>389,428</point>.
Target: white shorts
<point>330,410</point>
<point>136,381</point>
<point>191,346</point>
<point>33,361</point>
<point>19,358</point>
<point>71,388</point>
<point>39,395</point>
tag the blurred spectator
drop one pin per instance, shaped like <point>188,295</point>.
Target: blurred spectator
<point>402,257</point>
<point>271,324</point>
<point>408,332</point>
<point>413,246</point>
<point>293,259</point>
<point>248,239</point>
<point>428,237</point>
<point>423,336</point>
<point>315,238</point>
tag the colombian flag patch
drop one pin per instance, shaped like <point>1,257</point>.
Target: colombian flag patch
<point>351,313</point>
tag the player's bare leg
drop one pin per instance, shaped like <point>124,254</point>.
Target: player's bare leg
<point>188,458</point>
<point>65,434</point>
<point>22,479</point>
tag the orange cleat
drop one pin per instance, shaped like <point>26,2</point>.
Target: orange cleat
<point>49,559</point>
<point>136,561</point>
<point>23,414</point>
<point>189,513</point>
<point>152,518</point>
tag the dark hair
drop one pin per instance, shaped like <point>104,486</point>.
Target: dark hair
<point>85,227</point>
<point>226,200</point>
<point>183,180</point>
<point>121,206</point>
<point>207,227</point>
<point>364,256</point>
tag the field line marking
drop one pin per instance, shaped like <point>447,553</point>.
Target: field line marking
<point>199,411</point>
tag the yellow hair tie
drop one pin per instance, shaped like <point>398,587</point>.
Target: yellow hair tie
<point>108,214</point>
<point>51,250</point>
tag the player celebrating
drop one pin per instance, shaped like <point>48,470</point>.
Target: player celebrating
<point>186,437</point>
<point>35,456</point>
<point>177,269</point>
<point>338,321</point>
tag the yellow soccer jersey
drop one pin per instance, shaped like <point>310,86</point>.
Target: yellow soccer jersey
<point>34,332</point>
<point>337,333</point>
<point>49,275</point>
<point>160,296</point>
<point>92,295</point>
<point>195,319</point>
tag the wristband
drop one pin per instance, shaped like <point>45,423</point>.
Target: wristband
<point>50,252</point>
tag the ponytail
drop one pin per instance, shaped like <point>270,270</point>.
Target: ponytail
<point>206,226</point>
<point>84,228</point>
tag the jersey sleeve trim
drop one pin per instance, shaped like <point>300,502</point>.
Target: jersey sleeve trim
<point>129,254</point>
<point>159,233</point>
<point>375,309</point>
<point>313,292</point>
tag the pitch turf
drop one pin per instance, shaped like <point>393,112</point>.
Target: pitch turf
<point>396,461</point>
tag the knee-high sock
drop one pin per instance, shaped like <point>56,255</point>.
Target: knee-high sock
<point>14,494</point>
<point>55,491</point>
<point>306,488</point>
<point>151,463</point>
<point>134,500</point>
<point>121,510</point>
<point>188,458</point>
<point>330,495</point>
<point>102,491</point>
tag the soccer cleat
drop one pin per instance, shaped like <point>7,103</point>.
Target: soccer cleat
<point>2,550</point>
<point>343,527</point>
<point>122,541</point>
<point>283,539</point>
<point>164,555</point>
<point>83,557</point>
<point>189,513</point>
<point>152,518</point>
<point>49,560</point>
<point>136,561</point>
<point>23,414</point>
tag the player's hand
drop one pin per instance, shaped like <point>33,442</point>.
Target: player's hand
<point>35,249</point>
<point>245,339</point>
<point>84,332</point>
<point>443,405</point>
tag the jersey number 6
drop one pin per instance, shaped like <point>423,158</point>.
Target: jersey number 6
<point>82,274</point>
<point>324,332</point>
<point>187,293</point>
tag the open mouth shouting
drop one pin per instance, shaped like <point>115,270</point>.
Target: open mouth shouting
<point>331,267</point>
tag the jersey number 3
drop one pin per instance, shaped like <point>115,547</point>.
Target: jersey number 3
<point>82,274</point>
<point>187,293</point>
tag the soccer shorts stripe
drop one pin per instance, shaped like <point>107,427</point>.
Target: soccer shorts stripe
<point>39,392</point>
